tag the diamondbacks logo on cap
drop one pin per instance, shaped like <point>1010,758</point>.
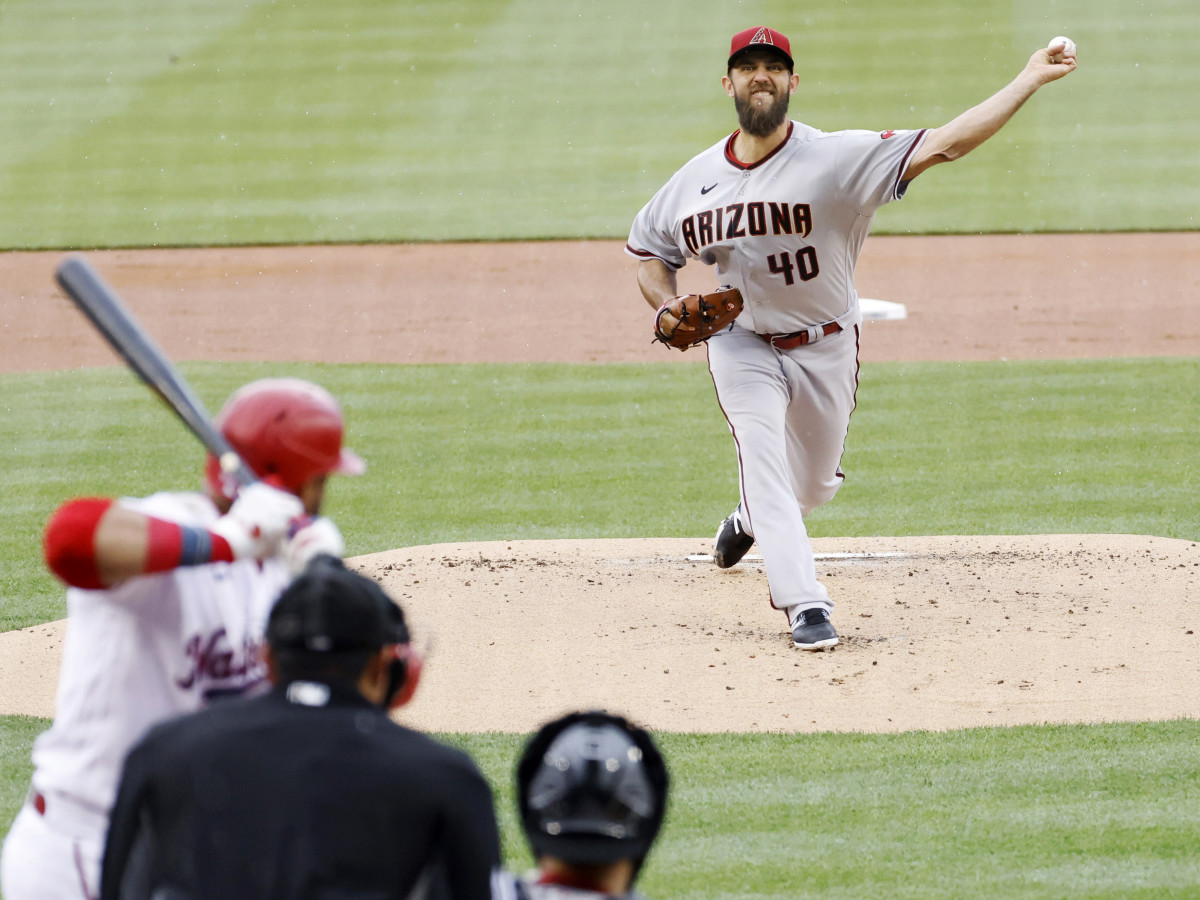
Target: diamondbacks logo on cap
<point>886,134</point>
<point>762,36</point>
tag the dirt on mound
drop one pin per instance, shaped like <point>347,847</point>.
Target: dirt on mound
<point>937,633</point>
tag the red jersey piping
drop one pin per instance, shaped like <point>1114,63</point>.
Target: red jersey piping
<point>738,164</point>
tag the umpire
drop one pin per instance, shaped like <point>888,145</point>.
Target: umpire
<point>309,791</point>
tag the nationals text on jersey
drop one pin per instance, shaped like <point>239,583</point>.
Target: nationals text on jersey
<point>212,659</point>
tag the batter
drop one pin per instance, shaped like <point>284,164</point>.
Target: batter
<point>781,210</point>
<point>167,600</point>
<point>308,792</point>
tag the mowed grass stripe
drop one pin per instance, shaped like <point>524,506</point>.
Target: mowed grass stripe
<point>229,122</point>
<point>483,452</point>
<point>1103,811</point>
<point>1062,811</point>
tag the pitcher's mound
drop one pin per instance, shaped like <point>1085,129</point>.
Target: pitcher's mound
<point>937,633</point>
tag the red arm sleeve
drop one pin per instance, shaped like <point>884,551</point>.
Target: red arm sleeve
<point>69,541</point>
<point>73,553</point>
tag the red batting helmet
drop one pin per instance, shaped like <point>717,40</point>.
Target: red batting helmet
<point>287,430</point>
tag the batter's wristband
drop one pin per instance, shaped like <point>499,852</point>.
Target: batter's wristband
<point>170,546</point>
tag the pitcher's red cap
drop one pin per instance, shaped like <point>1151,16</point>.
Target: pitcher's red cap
<point>761,36</point>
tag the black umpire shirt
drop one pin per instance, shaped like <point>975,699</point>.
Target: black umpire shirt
<point>309,791</point>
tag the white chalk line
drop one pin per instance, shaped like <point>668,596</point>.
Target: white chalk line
<point>819,557</point>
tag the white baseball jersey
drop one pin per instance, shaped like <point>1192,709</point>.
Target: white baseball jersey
<point>785,230</point>
<point>142,651</point>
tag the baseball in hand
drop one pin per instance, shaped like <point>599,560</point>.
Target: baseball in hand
<point>1068,50</point>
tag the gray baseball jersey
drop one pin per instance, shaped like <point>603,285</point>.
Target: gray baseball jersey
<point>787,229</point>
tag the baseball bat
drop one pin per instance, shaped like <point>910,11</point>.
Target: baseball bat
<point>124,334</point>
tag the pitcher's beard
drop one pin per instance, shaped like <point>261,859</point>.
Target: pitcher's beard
<point>758,122</point>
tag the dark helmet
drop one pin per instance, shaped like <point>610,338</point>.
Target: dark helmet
<point>591,788</point>
<point>287,430</point>
<point>330,615</point>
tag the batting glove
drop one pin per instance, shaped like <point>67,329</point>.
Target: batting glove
<point>258,521</point>
<point>311,538</point>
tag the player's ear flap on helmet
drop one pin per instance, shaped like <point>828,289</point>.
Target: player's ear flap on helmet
<point>405,663</point>
<point>403,676</point>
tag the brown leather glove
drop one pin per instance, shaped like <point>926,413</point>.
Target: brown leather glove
<point>700,316</point>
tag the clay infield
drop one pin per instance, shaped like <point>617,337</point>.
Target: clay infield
<point>937,633</point>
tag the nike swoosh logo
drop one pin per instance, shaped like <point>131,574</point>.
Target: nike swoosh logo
<point>705,190</point>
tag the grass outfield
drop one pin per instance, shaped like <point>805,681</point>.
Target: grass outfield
<point>580,451</point>
<point>201,122</point>
<point>1066,811</point>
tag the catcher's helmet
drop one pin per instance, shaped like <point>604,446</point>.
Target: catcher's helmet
<point>591,788</point>
<point>287,430</point>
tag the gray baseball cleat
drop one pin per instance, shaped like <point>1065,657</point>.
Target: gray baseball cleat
<point>814,631</point>
<point>732,541</point>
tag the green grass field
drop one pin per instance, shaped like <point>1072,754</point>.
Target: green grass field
<point>572,451</point>
<point>1052,812</point>
<point>202,122</point>
<point>199,122</point>
<point>575,451</point>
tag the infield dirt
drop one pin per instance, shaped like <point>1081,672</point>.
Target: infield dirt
<point>937,632</point>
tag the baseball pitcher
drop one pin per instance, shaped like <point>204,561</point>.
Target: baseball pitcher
<point>781,210</point>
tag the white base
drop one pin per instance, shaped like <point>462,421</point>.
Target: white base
<point>820,557</point>
<point>881,309</point>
